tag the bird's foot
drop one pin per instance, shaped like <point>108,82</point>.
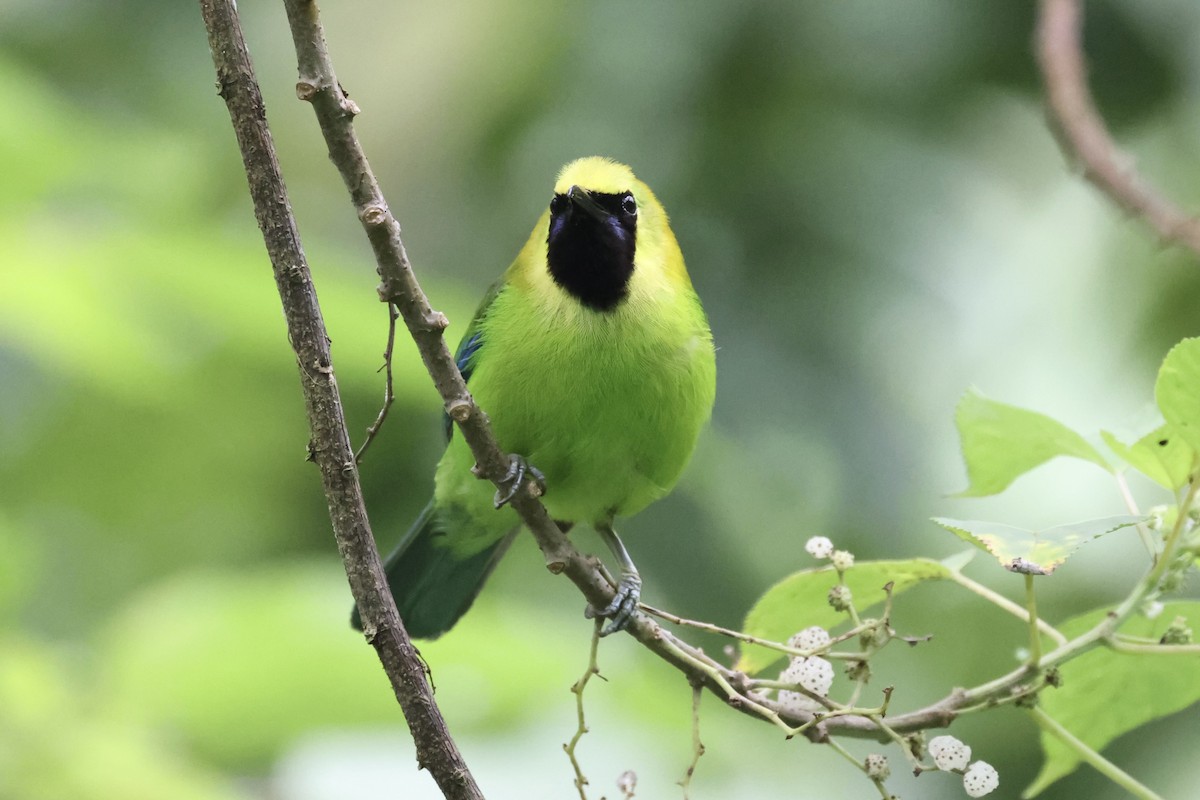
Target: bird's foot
<point>624,603</point>
<point>519,471</point>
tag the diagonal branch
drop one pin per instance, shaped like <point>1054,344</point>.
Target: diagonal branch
<point>1082,133</point>
<point>330,443</point>
<point>335,113</point>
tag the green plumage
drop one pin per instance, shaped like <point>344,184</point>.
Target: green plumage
<point>606,399</point>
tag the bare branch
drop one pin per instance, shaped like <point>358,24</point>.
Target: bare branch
<point>389,392</point>
<point>1082,133</point>
<point>330,443</point>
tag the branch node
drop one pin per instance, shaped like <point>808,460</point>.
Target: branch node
<point>436,321</point>
<point>306,90</point>
<point>556,567</point>
<point>374,214</point>
<point>460,410</point>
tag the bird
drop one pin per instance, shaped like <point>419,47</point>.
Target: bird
<point>594,360</point>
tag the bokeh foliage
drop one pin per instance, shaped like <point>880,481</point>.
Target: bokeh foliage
<point>870,205</point>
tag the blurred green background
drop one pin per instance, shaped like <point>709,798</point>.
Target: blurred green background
<point>872,208</point>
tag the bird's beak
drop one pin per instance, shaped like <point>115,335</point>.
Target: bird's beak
<point>582,200</point>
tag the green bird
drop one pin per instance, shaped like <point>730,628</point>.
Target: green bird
<point>593,358</point>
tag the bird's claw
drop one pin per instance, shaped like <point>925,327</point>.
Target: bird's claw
<point>624,603</point>
<point>519,470</point>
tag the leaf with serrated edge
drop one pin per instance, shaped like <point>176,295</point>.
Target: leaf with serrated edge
<point>1105,694</point>
<point>1160,455</point>
<point>1033,552</point>
<point>1177,390</point>
<point>1000,443</point>
<point>801,600</point>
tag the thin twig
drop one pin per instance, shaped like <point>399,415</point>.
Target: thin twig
<point>581,726</point>
<point>1082,132</point>
<point>389,394</point>
<point>1122,645</point>
<point>823,650</point>
<point>697,745</point>
<point>846,754</point>
<point>330,443</point>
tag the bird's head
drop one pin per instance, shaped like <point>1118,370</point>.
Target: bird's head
<point>599,216</point>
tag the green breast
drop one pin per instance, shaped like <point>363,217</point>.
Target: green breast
<point>607,405</point>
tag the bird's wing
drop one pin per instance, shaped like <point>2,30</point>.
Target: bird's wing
<point>471,341</point>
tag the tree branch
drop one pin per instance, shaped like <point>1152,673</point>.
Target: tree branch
<point>335,112</point>
<point>330,443</point>
<point>1081,130</point>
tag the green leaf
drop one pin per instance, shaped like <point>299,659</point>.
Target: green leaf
<point>1177,390</point>
<point>800,600</point>
<point>1105,693</point>
<point>1002,442</point>
<point>1033,552</point>
<point>1161,455</point>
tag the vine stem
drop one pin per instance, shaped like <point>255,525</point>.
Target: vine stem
<point>1099,762</point>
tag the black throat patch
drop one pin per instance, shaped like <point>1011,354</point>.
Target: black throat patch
<point>590,245</point>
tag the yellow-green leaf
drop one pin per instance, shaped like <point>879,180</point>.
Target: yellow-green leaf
<point>1002,442</point>
<point>1105,693</point>
<point>1033,552</point>
<point>1161,455</point>
<point>1177,390</point>
<point>800,600</point>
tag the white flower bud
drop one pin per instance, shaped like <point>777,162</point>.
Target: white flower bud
<point>842,560</point>
<point>840,597</point>
<point>980,779</point>
<point>814,674</point>
<point>949,753</point>
<point>810,638</point>
<point>796,702</point>
<point>627,782</point>
<point>819,547</point>
<point>877,767</point>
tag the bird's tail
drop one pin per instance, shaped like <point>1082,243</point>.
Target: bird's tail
<point>434,584</point>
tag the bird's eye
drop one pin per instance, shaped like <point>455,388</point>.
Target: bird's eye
<point>629,205</point>
<point>557,203</point>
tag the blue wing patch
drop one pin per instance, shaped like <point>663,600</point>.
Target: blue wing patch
<point>465,350</point>
<point>464,359</point>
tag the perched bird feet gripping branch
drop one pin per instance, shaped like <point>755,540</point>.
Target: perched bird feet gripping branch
<point>519,471</point>
<point>624,603</point>
<point>629,588</point>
